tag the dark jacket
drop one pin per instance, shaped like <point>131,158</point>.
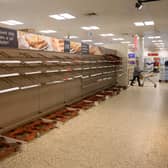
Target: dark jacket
<point>137,71</point>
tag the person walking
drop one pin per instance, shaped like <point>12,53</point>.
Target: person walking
<point>136,75</point>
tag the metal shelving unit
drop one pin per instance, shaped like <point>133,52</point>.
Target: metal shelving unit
<point>33,82</point>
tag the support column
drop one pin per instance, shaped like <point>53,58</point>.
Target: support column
<point>140,51</point>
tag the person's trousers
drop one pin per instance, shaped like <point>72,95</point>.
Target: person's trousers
<point>138,79</point>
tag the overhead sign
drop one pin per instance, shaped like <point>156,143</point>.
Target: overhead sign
<point>131,55</point>
<point>85,48</point>
<point>39,42</point>
<point>153,54</point>
<point>136,39</point>
<point>67,46</point>
<point>8,38</point>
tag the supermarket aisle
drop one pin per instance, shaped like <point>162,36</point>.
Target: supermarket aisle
<point>127,131</point>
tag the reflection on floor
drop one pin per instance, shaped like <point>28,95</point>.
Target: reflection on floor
<point>127,131</point>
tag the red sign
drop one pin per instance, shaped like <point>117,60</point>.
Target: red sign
<point>153,54</point>
<point>135,42</point>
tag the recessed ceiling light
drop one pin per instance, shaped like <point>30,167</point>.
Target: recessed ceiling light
<point>160,43</point>
<point>125,42</point>
<point>57,17</point>
<point>47,31</point>
<point>11,22</point>
<point>138,24</point>
<point>90,28</point>
<point>107,35</point>
<point>149,23</point>
<point>85,28</point>
<point>118,39</point>
<point>94,28</point>
<point>157,41</point>
<point>87,41</point>
<point>67,16</point>
<point>98,43</point>
<point>154,37</point>
<point>62,16</point>
<point>157,37</point>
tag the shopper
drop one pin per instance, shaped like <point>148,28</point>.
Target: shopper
<point>136,75</point>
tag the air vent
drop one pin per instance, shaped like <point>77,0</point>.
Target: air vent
<point>91,14</point>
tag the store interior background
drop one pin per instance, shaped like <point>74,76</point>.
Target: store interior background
<point>117,18</point>
<point>139,127</point>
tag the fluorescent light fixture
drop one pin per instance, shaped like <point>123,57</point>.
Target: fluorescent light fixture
<point>9,75</point>
<point>62,16</point>
<point>160,43</point>
<point>98,43</point>
<point>33,73</point>
<point>90,28</point>
<point>138,24</point>
<point>9,62</point>
<point>149,23</point>
<point>125,42</point>
<point>94,28</point>
<point>71,37</point>
<point>157,41</point>
<point>9,90</point>
<point>87,41</point>
<point>118,39</point>
<point>85,28</point>
<point>57,17</point>
<point>157,37</point>
<point>107,35</point>
<point>47,31</point>
<point>29,87</point>
<point>67,16</point>
<point>11,22</point>
<point>154,37</point>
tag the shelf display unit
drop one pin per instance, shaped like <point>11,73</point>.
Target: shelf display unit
<point>34,83</point>
<point>163,76</point>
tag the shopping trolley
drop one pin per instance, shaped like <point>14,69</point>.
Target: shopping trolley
<point>148,76</point>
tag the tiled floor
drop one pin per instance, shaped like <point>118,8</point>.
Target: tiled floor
<point>127,131</point>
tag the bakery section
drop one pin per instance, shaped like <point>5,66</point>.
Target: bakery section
<point>35,83</point>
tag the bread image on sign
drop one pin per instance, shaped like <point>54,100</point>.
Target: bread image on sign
<point>75,47</point>
<point>36,42</point>
<point>57,44</point>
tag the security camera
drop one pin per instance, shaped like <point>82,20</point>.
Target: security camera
<point>139,5</point>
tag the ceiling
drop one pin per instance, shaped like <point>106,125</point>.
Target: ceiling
<point>113,16</point>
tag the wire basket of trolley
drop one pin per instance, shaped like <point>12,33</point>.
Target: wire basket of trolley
<point>148,76</point>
